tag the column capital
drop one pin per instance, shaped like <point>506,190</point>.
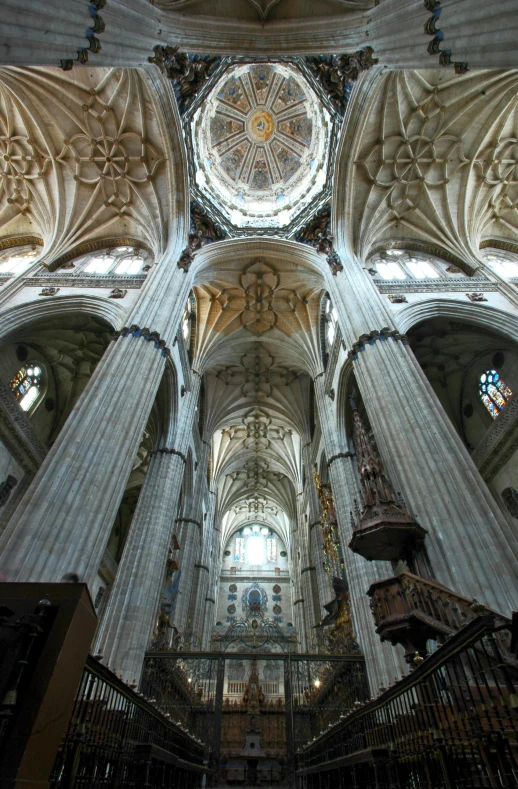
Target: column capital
<point>167,451</point>
<point>147,334</point>
<point>374,335</point>
<point>188,520</point>
<point>339,455</point>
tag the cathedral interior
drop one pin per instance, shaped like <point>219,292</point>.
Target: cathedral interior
<point>258,350</point>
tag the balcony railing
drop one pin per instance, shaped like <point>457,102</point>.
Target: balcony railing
<point>410,610</point>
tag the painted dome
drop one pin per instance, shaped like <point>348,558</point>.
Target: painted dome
<point>262,141</point>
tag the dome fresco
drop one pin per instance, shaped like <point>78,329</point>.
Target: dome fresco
<point>261,140</point>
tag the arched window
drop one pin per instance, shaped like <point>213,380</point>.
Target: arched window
<point>395,264</point>
<point>255,544</point>
<point>503,263</point>
<point>271,548</point>
<point>186,325</point>
<point>239,553</point>
<point>188,320</point>
<point>16,261</point>
<point>122,261</point>
<point>331,318</point>
<point>494,392</point>
<point>26,385</point>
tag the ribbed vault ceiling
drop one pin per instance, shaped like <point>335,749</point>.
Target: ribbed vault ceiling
<point>258,344</point>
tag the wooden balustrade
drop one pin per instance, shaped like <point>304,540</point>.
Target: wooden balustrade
<point>410,610</point>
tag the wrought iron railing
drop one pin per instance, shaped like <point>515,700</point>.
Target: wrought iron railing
<point>451,723</point>
<point>117,738</point>
<point>199,689</point>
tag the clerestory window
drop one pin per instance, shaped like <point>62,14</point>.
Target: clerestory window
<point>122,261</point>
<point>17,261</point>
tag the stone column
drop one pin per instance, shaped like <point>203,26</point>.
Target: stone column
<point>467,32</point>
<point>209,605</point>
<point>130,614</point>
<point>202,584</point>
<point>64,521</point>
<point>298,542</point>
<point>382,661</point>
<point>127,625</point>
<point>470,544</point>
<point>194,570</point>
<point>116,33</point>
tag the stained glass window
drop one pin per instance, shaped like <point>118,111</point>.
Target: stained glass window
<point>26,385</point>
<point>494,392</point>
<point>239,554</point>
<point>271,548</point>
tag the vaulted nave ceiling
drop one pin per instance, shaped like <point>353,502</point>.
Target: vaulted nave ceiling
<point>257,298</point>
<point>264,10</point>
<point>258,344</point>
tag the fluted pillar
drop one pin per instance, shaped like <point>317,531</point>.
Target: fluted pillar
<point>382,661</point>
<point>130,615</point>
<point>131,611</point>
<point>117,33</point>
<point>123,32</point>
<point>203,571</point>
<point>209,607</point>
<point>299,589</point>
<point>470,544</point>
<point>472,31</point>
<point>64,521</point>
<point>190,535</point>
